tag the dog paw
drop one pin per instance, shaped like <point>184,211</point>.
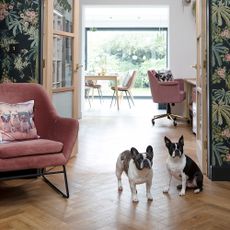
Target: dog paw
<point>135,199</point>
<point>149,197</point>
<point>165,190</point>
<point>182,193</point>
<point>196,190</point>
<point>120,189</point>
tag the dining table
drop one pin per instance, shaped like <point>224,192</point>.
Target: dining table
<point>113,78</point>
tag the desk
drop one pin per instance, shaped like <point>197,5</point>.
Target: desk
<point>106,78</point>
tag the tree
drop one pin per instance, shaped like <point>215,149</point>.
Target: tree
<point>132,50</point>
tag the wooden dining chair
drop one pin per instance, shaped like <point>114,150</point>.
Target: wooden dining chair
<point>87,90</point>
<point>93,85</point>
<point>126,87</point>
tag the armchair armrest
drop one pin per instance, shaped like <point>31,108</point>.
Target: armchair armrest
<point>181,83</point>
<point>64,130</point>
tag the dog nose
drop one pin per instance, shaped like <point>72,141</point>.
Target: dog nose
<point>177,152</point>
<point>146,164</point>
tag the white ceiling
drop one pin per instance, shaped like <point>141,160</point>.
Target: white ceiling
<point>95,16</point>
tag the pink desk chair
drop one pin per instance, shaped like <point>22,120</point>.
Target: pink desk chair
<point>167,92</point>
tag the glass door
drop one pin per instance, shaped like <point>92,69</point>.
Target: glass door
<point>201,85</point>
<point>60,52</point>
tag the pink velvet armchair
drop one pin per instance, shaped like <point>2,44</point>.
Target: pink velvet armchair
<point>167,92</point>
<point>56,136</point>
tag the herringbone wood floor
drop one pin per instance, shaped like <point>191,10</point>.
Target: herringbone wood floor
<point>94,201</point>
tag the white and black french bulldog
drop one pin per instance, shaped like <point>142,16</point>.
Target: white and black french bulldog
<point>138,168</point>
<point>183,168</point>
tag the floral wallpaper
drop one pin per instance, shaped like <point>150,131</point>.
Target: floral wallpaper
<point>220,82</point>
<point>20,40</point>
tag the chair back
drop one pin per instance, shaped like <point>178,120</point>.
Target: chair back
<point>130,80</point>
<point>153,81</point>
<point>44,111</point>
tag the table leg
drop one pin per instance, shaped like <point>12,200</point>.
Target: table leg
<point>116,91</point>
<point>188,90</point>
<point>186,111</point>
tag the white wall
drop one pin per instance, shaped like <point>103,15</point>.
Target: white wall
<point>182,32</point>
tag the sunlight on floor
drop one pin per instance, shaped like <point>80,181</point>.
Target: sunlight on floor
<point>143,108</point>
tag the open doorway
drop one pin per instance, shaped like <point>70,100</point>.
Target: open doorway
<point>165,19</point>
<point>117,42</point>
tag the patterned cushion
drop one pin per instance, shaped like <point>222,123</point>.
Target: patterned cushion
<point>164,75</point>
<point>16,121</point>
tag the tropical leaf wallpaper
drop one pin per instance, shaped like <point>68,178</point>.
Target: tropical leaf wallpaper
<point>20,40</point>
<point>220,82</point>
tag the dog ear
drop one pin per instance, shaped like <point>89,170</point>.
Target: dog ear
<point>167,141</point>
<point>181,140</point>
<point>134,152</point>
<point>149,151</point>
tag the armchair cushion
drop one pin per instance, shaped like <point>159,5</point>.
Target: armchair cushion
<point>29,148</point>
<point>16,121</point>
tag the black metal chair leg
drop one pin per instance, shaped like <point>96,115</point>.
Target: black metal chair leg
<point>66,194</point>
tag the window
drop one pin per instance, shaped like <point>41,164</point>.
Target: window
<point>118,50</point>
